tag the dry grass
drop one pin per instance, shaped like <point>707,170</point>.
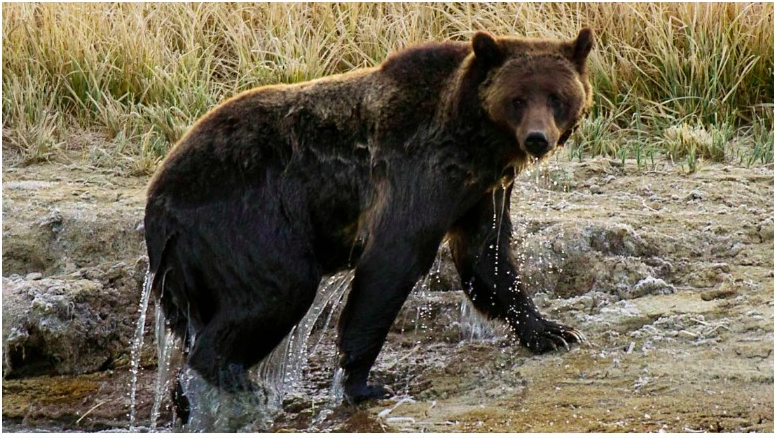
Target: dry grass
<point>139,74</point>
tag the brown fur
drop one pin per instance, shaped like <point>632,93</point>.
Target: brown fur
<point>371,169</point>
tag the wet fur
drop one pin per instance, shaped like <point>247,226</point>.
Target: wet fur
<point>283,184</point>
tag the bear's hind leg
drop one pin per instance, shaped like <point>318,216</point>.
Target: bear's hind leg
<point>248,322</point>
<point>241,334</point>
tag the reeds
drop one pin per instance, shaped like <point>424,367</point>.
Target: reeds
<point>120,83</point>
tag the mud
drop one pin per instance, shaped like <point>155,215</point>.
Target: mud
<point>670,276</point>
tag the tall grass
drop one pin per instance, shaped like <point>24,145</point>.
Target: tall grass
<point>135,76</point>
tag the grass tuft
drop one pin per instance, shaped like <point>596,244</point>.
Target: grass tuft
<point>686,80</point>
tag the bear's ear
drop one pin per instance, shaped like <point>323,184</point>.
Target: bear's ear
<point>581,47</point>
<point>486,49</point>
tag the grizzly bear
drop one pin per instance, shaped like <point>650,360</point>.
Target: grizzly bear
<point>370,170</point>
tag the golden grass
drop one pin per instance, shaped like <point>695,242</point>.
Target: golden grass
<point>139,74</point>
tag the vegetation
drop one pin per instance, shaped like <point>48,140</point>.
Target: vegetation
<point>120,83</point>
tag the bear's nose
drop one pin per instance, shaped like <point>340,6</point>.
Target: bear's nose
<point>536,143</point>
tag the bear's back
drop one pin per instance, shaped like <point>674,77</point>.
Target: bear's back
<point>259,128</point>
<point>265,127</point>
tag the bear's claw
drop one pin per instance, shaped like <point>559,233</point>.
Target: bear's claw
<point>542,335</point>
<point>563,342</point>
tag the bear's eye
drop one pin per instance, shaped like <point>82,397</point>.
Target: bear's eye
<point>554,100</point>
<point>518,103</point>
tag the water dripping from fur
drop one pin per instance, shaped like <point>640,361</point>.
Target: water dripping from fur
<point>137,345</point>
<point>279,375</point>
<point>168,346</point>
<point>282,371</point>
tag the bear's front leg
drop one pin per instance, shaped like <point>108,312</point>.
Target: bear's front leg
<point>480,244</point>
<point>395,258</point>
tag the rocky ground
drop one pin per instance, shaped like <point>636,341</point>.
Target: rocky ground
<point>670,276</point>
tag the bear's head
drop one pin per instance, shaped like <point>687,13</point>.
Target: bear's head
<point>535,89</point>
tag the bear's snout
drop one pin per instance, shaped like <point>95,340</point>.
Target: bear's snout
<point>536,143</point>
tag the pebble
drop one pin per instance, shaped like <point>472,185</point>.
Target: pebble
<point>695,194</point>
<point>766,230</point>
<point>717,294</point>
<point>34,276</point>
<point>595,189</point>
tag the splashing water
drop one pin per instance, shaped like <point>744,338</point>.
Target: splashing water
<point>337,391</point>
<point>282,371</point>
<point>212,409</point>
<point>537,165</point>
<point>276,376</point>
<point>137,343</point>
<point>336,306</point>
<point>167,345</point>
<point>420,289</point>
<point>474,325</point>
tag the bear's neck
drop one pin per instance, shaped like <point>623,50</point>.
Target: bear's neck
<point>493,149</point>
<point>433,91</point>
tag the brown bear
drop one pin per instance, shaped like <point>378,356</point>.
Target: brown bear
<point>370,170</point>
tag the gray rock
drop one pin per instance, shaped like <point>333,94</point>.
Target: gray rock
<point>34,276</point>
<point>695,195</point>
<point>766,230</point>
<point>71,324</point>
<point>651,286</point>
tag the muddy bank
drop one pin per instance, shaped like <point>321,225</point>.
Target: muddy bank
<point>669,275</point>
